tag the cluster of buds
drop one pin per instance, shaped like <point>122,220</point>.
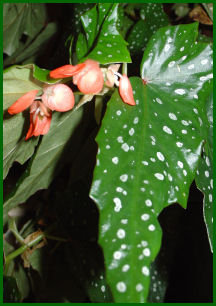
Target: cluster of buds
<point>90,80</point>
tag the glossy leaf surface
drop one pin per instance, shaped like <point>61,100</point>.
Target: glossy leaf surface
<point>104,43</point>
<point>148,156</point>
<point>153,17</point>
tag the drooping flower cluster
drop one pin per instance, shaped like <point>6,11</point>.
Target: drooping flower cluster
<point>90,80</point>
<point>57,97</point>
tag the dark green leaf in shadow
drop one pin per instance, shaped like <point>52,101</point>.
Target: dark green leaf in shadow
<point>21,19</point>
<point>11,292</point>
<point>204,174</point>
<point>153,17</point>
<point>42,168</point>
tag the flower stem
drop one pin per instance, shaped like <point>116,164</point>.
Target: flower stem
<point>20,250</point>
<point>124,68</point>
<point>25,246</point>
<point>13,229</point>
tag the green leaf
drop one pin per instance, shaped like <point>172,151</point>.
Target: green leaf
<point>204,177</point>
<point>153,17</point>
<point>78,10</point>
<point>42,168</point>
<point>19,19</point>
<point>17,81</point>
<point>36,261</point>
<point>37,45</point>
<point>158,285</point>
<point>81,46</point>
<point>18,273</point>
<point>204,38</point>
<point>148,155</point>
<point>42,75</point>
<point>104,42</point>
<point>138,37</point>
<point>10,290</point>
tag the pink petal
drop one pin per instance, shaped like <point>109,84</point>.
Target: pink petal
<point>110,78</point>
<point>90,80</point>
<point>23,102</point>
<point>46,125</point>
<point>58,97</point>
<point>90,65</point>
<point>126,91</point>
<point>30,130</point>
<point>42,125</point>
<point>66,71</point>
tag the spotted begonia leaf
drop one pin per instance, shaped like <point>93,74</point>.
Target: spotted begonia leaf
<point>204,177</point>
<point>78,10</point>
<point>124,22</point>
<point>153,17</point>
<point>148,155</point>
<point>104,42</point>
<point>158,284</point>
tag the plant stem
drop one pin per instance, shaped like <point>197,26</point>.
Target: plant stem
<point>14,230</point>
<point>124,68</point>
<point>25,246</point>
<point>20,250</point>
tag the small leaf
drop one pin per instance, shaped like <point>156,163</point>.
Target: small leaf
<point>42,75</point>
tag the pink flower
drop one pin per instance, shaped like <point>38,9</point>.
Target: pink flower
<point>125,88</point>
<point>57,97</point>
<point>66,71</point>
<point>40,120</point>
<point>23,102</point>
<point>87,76</point>
<point>126,91</point>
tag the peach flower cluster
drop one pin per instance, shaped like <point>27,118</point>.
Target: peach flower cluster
<point>87,76</point>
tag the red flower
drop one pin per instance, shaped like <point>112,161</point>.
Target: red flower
<point>87,76</point>
<point>40,120</point>
<point>23,102</point>
<point>126,91</point>
<point>66,71</point>
<point>57,97</point>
